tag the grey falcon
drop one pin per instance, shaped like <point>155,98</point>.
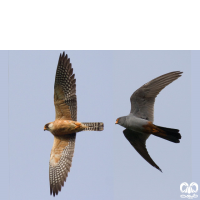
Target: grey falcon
<point>139,123</point>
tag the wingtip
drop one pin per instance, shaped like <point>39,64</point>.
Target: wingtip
<point>180,73</point>
<point>158,168</point>
<point>62,55</point>
<point>176,73</point>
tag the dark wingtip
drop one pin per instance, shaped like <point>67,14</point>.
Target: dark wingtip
<point>157,168</point>
<point>178,72</point>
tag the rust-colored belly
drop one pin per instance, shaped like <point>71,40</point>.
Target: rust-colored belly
<point>63,127</point>
<point>152,129</point>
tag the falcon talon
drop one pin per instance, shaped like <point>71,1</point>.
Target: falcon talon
<point>139,123</point>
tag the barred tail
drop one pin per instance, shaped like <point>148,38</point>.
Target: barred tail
<point>93,126</point>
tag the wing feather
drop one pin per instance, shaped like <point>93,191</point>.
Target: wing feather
<point>138,141</point>
<point>65,90</point>
<point>60,161</point>
<point>142,100</point>
<point>66,108</point>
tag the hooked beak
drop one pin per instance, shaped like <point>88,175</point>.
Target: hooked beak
<point>45,129</point>
<point>117,121</point>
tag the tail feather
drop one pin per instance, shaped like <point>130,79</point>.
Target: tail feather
<point>170,134</point>
<point>93,126</point>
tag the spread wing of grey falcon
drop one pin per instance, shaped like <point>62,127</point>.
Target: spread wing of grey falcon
<point>139,123</point>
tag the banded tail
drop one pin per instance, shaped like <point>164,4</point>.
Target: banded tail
<point>93,126</point>
<point>170,134</point>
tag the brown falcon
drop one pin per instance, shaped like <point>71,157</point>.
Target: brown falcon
<point>65,126</point>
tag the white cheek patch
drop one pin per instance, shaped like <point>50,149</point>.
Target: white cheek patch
<point>50,126</point>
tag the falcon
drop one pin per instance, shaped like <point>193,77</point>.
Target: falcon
<point>139,123</point>
<point>65,126</point>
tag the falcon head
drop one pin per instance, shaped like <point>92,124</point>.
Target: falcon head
<point>48,126</point>
<point>117,121</point>
<point>120,121</point>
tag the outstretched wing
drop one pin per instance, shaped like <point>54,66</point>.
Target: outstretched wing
<point>138,141</point>
<point>60,161</point>
<point>142,100</point>
<point>66,108</point>
<point>65,90</point>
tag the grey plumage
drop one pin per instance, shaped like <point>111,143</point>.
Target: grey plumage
<point>142,100</point>
<point>139,123</point>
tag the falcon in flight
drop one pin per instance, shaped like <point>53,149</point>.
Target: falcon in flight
<point>139,123</point>
<point>65,126</point>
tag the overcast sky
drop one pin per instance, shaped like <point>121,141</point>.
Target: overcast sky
<point>105,165</point>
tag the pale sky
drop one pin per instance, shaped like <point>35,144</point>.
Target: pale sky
<point>105,165</point>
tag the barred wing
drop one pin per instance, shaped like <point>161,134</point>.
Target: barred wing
<point>66,108</point>
<point>60,161</point>
<point>65,90</point>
